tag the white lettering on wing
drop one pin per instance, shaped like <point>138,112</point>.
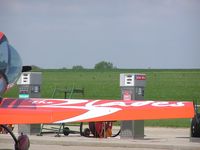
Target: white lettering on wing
<point>143,103</point>
<point>93,112</point>
<point>96,108</point>
<point>167,104</point>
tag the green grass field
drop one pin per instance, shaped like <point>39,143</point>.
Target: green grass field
<point>181,85</point>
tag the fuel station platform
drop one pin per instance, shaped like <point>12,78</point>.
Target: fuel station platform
<point>155,138</point>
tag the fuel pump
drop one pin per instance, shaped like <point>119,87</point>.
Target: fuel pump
<point>29,85</point>
<point>132,88</point>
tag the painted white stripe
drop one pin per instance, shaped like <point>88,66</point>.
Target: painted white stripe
<point>92,113</point>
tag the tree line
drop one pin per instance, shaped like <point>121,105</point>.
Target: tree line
<point>102,65</point>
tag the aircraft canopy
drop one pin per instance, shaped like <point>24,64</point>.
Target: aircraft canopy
<point>10,61</point>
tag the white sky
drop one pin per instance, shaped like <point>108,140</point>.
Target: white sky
<point>128,33</point>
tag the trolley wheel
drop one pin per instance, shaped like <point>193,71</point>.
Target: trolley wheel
<point>195,126</point>
<point>86,132</point>
<point>66,131</point>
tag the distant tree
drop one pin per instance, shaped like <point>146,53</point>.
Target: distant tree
<point>104,65</point>
<point>64,68</point>
<point>77,67</point>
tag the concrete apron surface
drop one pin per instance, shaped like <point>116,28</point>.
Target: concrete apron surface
<point>155,138</point>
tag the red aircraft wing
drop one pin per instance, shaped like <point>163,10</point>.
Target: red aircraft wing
<point>30,111</point>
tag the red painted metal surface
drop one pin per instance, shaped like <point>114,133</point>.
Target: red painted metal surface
<point>20,111</point>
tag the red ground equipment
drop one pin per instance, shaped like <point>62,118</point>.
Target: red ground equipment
<point>101,129</point>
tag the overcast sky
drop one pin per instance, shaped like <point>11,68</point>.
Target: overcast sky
<point>128,33</point>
